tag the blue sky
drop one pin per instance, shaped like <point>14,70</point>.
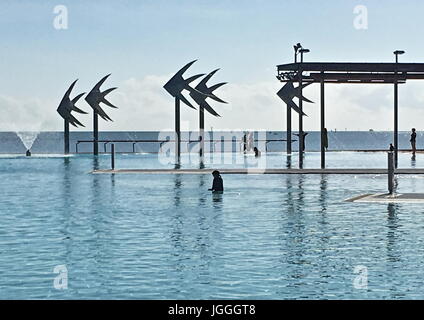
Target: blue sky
<point>135,40</point>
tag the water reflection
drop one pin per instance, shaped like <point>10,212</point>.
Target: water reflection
<point>112,180</point>
<point>93,224</point>
<point>292,234</point>
<point>202,188</point>
<point>413,162</point>
<point>96,163</point>
<point>393,254</point>
<point>323,193</point>
<point>301,193</point>
<point>323,238</point>
<point>288,161</point>
<point>177,189</point>
<point>217,198</point>
<point>66,184</point>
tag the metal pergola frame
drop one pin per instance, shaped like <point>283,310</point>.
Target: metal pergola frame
<point>351,72</point>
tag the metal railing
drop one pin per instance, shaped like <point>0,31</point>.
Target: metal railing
<point>161,142</point>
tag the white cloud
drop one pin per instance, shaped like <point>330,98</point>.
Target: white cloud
<point>144,105</point>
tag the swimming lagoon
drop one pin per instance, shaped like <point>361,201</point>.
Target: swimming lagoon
<point>130,236</point>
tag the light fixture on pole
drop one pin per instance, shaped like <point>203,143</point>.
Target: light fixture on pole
<point>296,47</point>
<point>398,52</point>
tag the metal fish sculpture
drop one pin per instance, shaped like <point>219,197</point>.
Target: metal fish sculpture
<point>177,84</point>
<point>288,92</point>
<point>67,105</point>
<point>203,92</point>
<point>95,97</point>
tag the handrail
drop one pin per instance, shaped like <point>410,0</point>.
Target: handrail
<point>161,142</point>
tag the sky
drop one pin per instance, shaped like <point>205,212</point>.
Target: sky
<point>142,43</point>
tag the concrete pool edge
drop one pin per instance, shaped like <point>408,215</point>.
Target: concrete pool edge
<point>259,171</point>
<point>388,198</point>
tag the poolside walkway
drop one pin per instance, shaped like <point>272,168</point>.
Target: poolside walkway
<point>353,171</point>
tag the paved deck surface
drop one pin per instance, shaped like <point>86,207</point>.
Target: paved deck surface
<point>354,171</point>
<point>389,198</point>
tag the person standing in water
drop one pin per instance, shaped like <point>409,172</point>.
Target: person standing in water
<point>257,152</point>
<point>413,140</point>
<point>217,185</point>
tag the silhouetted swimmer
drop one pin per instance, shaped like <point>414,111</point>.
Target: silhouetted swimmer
<point>28,153</point>
<point>413,140</point>
<point>257,152</point>
<point>217,185</point>
<point>391,148</point>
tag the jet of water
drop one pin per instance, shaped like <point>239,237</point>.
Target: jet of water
<point>28,138</point>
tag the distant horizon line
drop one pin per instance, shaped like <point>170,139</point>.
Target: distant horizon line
<point>217,130</point>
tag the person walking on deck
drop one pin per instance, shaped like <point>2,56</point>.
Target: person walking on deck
<point>244,142</point>
<point>413,141</point>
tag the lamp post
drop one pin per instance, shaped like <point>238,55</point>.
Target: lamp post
<point>301,138</point>
<point>296,47</point>
<point>395,129</point>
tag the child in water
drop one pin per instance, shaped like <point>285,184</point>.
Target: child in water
<point>217,185</point>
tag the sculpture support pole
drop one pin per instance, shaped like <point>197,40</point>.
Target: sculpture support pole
<point>322,122</point>
<point>177,131</point>
<point>201,132</point>
<point>300,143</point>
<point>95,133</point>
<point>288,131</point>
<point>66,136</point>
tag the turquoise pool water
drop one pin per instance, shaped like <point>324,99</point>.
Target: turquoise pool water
<point>166,237</point>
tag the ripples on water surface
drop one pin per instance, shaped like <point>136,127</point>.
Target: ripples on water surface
<point>166,236</point>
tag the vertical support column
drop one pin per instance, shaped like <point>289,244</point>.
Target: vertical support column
<point>395,127</point>
<point>177,131</point>
<point>95,133</point>
<point>201,133</point>
<point>322,122</point>
<point>289,131</point>
<point>66,136</point>
<point>390,171</point>
<point>300,142</point>
<point>113,156</point>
